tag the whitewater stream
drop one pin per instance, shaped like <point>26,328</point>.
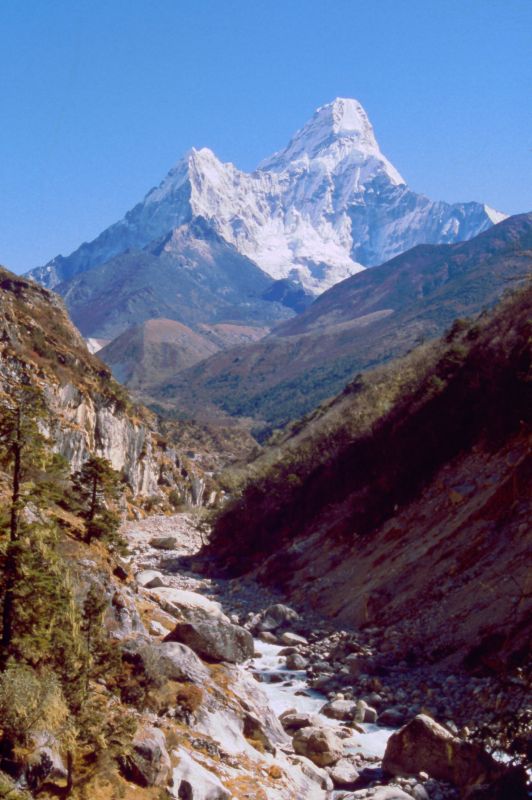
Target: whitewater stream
<point>283,688</point>
<point>288,689</point>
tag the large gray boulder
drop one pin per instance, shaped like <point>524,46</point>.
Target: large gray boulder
<point>162,661</point>
<point>148,764</point>
<point>422,745</point>
<point>321,745</point>
<point>215,640</point>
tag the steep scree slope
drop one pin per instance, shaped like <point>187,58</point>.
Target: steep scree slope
<point>407,498</point>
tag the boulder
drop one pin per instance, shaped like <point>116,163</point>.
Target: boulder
<point>180,662</point>
<point>344,710</point>
<point>148,764</point>
<point>187,606</point>
<point>267,637</point>
<point>391,717</point>
<point>296,720</point>
<point>124,619</point>
<point>321,745</point>
<point>191,781</point>
<point>422,745</point>
<point>149,579</point>
<point>292,639</point>
<point>343,774</point>
<point>359,664</point>
<point>365,713</point>
<point>166,661</point>
<point>296,661</point>
<point>274,617</point>
<point>216,640</point>
<point>163,542</point>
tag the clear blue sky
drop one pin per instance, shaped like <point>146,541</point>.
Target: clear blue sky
<point>100,97</point>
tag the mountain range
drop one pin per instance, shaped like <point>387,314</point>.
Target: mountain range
<point>365,320</point>
<point>313,214</point>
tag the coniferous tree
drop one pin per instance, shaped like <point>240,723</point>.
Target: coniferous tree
<point>94,486</point>
<point>22,447</point>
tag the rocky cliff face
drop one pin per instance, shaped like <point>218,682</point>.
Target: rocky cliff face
<point>88,411</point>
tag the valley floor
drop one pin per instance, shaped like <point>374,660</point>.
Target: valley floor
<point>301,665</point>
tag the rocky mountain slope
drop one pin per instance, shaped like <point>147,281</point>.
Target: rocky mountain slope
<point>314,213</point>
<point>191,275</point>
<point>159,348</point>
<point>88,411</point>
<point>363,321</point>
<point>406,500</point>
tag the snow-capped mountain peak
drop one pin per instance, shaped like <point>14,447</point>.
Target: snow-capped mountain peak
<point>337,135</point>
<point>317,211</point>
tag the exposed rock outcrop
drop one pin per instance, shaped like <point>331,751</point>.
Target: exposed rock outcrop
<point>89,413</point>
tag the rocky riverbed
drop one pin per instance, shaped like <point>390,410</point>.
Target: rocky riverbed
<point>332,697</point>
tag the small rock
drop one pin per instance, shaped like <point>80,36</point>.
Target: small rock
<point>292,639</point>
<point>274,617</point>
<point>296,662</point>
<point>294,721</point>
<point>419,792</point>
<point>344,710</point>
<point>343,774</point>
<point>267,637</point>
<point>163,542</point>
<point>149,579</point>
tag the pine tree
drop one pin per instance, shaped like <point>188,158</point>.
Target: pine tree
<point>22,447</point>
<point>94,486</point>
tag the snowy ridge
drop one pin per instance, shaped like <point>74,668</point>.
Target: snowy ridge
<point>318,211</point>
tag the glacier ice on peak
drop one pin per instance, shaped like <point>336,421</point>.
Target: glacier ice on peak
<point>320,210</point>
<point>337,133</point>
